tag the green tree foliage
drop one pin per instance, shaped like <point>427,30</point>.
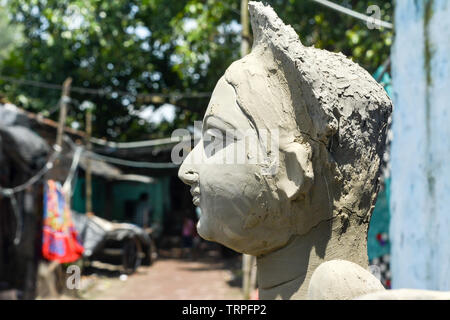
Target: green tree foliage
<point>157,46</point>
<point>11,35</point>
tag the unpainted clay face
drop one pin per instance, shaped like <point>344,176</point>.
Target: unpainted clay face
<point>243,206</point>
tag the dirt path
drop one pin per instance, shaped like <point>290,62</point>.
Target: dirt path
<point>173,279</point>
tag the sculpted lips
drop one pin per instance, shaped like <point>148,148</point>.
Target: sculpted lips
<point>195,192</point>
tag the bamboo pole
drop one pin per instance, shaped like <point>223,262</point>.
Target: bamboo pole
<point>88,175</point>
<point>248,262</point>
<point>245,33</point>
<point>65,97</point>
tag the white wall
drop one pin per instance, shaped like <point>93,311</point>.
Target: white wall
<point>420,152</point>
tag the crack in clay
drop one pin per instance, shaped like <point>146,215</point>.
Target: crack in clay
<point>310,137</point>
<point>250,119</point>
<point>328,193</point>
<point>354,213</point>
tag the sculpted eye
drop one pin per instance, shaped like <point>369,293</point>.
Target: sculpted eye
<point>214,134</point>
<point>215,140</point>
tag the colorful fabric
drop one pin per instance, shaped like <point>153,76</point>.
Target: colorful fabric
<point>60,239</point>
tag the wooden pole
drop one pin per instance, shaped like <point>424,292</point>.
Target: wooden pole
<point>88,176</point>
<point>245,33</point>
<point>248,262</point>
<point>43,273</point>
<point>65,97</point>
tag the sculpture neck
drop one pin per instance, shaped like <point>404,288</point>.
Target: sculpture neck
<point>285,273</point>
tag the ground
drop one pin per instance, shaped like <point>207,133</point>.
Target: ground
<point>206,278</point>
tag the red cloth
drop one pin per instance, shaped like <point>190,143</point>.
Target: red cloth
<point>59,241</point>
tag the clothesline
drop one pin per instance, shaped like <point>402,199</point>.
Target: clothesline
<point>136,144</point>
<point>130,163</point>
<point>354,14</point>
<point>105,92</point>
<point>7,192</point>
<point>124,162</point>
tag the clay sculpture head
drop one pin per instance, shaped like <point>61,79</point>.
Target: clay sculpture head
<point>309,194</point>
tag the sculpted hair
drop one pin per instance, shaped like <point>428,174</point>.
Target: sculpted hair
<point>347,111</point>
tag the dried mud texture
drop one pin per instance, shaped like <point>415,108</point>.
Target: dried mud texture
<point>331,117</point>
<point>347,113</point>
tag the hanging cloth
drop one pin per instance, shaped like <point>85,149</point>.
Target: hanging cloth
<point>60,239</point>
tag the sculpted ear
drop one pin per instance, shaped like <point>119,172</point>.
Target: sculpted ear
<point>299,174</point>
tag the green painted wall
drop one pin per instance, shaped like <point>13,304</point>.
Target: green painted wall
<point>377,238</point>
<point>98,195</point>
<point>123,191</point>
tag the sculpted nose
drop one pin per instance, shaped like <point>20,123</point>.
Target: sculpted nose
<point>189,177</point>
<point>187,174</point>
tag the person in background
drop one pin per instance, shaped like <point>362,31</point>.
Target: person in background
<point>188,233</point>
<point>142,216</point>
